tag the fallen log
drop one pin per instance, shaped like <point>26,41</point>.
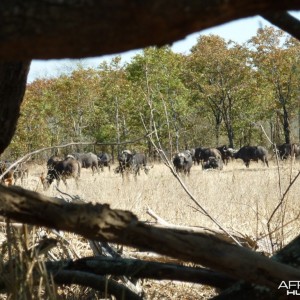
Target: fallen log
<point>136,268</point>
<point>99,222</point>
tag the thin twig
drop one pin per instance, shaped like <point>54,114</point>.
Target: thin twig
<point>171,168</point>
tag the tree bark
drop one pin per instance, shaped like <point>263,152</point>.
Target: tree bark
<point>286,125</point>
<point>288,255</point>
<point>13,77</point>
<point>74,29</point>
<point>136,268</point>
<point>97,282</point>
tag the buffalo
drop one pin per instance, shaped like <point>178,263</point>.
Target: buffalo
<point>132,162</point>
<point>51,161</point>
<point>286,150</point>
<point>213,163</point>
<point>203,154</point>
<point>226,153</point>
<point>104,160</point>
<point>87,160</point>
<point>183,162</point>
<point>197,155</point>
<point>61,170</point>
<point>255,153</point>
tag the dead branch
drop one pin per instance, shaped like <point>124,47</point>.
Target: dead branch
<point>136,268</point>
<point>287,255</point>
<point>97,282</point>
<point>114,26</point>
<point>99,222</point>
<point>244,241</point>
<point>167,162</point>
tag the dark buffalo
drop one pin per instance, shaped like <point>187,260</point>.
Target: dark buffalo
<point>130,162</point>
<point>203,154</point>
<point>226,153</point>
<point>183,162</point>
<point>255,153</point>
<point>62,170</point>
<point>286,150</point>
<point>87,160</point>
<point>197,155</point>
<point>104,160</point>
<point>52,160</point>
<point>213,163</point>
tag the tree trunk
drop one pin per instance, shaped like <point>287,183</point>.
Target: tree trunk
<point>286,125</point>
<point>230,135</point>
<point>13,77</point>
<point>117,124</point>
<point>217,129</point>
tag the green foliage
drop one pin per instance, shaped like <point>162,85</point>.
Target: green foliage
<point>223,86</point>
<point>276,57</point>
<point>162,96</point>
<point>214,95</point>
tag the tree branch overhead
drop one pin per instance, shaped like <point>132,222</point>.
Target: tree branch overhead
<point>51,29</point>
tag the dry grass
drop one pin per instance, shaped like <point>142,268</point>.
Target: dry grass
<point>242,200</point>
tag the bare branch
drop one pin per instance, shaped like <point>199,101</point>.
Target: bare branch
<point>97,282</point>
<point>143,269</point>
<point>167,162</point>
<point>99,222</point>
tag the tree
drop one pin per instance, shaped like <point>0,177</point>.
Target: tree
<point>33,130</point>
<point>156,77</point>
<point>276,58</point>
<point>222,82</point>
<point>73,96</point>
<point>89,37</point>
<point>114,105</point>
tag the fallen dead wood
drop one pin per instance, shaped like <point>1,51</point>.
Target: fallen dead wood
<point>97,282</point>
<point>136,268</point>
<point>99,222</point>
<point>241,290</point>
<point>115,26</point>
<point>243,240</point>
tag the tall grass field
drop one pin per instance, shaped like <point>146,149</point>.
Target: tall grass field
<point>241,199</point>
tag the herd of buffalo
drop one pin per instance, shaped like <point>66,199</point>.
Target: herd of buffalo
<point>132,162</point>
<point>215,158</point>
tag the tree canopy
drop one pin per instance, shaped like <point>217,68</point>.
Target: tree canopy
<point>214,95</point>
